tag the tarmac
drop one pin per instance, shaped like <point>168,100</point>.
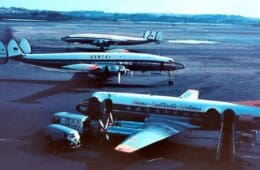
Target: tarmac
<point>222,61</point>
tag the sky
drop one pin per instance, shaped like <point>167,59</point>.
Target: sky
<point>248,8</point>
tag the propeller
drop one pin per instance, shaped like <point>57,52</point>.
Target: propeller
<point>119,77</point>
<point>82,107</point>
<point>6,33</point>
<point>109,121</point>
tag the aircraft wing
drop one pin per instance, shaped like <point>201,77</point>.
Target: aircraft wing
<point>153,130</point>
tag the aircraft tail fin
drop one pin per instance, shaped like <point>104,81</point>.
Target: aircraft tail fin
<point>146,34</point>
<point>25,46</point>
<point>154,36</point>
<point>3,53</point>
<point>14,49</point>
<point>190,94</point>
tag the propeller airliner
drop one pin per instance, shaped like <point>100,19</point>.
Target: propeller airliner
<point>100,64</point>
<point>147,119</point>
<point>105,40</point>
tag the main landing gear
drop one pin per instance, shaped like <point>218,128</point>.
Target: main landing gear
<point>68,47</point>
<point>226,146</point>
<point>170,81</point>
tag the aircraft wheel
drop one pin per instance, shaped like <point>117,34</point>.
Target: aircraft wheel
<point>170,83</point>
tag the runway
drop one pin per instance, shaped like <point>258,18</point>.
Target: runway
<point>222,61</point>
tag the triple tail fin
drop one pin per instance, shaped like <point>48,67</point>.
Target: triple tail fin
<point>3,53</point>
<point>157,37</point>
<point>25,46</point>
<point>14,49</point>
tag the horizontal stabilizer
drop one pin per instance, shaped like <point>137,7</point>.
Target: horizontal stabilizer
<point>255,103</point>
<point>3,53</point>
<point>190,94</point>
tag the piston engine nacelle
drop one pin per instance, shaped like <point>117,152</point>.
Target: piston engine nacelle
<point>111,70</point>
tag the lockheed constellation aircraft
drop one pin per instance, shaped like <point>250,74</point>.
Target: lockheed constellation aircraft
<point>147,119</point>
<point>105,40</point>
<point>102,65</point>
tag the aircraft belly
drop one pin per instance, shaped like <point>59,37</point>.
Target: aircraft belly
<point>80,40</point>
<point>58,63</point>
<point>131,42</point>
<point>249,122</point>
<point>144,67</point>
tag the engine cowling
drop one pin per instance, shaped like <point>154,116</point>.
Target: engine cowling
<point>111,70</point>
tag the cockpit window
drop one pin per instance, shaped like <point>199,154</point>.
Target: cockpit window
<point>171,61</point>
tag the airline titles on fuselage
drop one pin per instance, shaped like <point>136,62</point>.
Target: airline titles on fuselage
<point>167,105</point>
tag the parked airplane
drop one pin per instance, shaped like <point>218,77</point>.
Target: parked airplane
<point>102,65</point>
<point>147,119</point>
<point>105,40</point>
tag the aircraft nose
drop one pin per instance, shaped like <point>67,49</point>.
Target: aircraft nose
<point>65,38</point>
<point>177,66</point>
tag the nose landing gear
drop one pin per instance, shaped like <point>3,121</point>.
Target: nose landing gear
<point>170,81</point>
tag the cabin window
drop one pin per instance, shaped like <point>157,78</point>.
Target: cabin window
<point>186,114</point>
<point>174,113</point>
<point>138,109</point>
<point>128,108</point>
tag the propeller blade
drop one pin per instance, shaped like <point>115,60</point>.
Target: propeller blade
<point>107,137</point>
<point>111,117</point>
<point>107,123</point>
<point>119,78</point>
<point>101,123</point>
<point>132,73</point>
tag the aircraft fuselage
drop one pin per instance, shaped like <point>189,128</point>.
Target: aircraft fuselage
<point>194,111</point>
<point>132,61</point>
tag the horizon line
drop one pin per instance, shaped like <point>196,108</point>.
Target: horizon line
<point>162,13</point>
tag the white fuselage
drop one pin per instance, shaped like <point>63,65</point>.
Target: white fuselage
<point>106,36</point>
<point>132,61</point>
<point>175,103</point>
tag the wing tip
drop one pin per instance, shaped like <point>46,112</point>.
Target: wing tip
<point>125,148</point>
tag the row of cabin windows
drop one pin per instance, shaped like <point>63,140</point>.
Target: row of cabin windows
<point>109,57</point>
<point>100,57</point>
<point>162,111</point>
